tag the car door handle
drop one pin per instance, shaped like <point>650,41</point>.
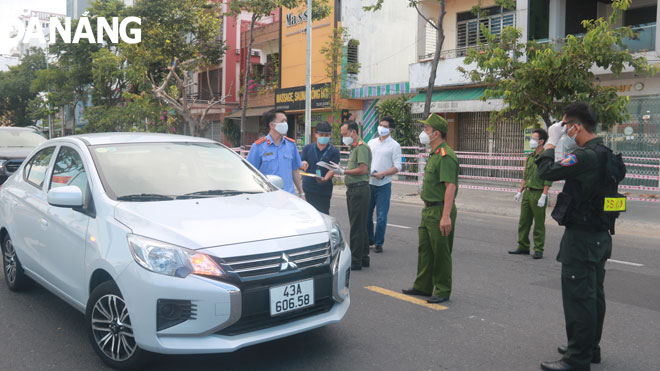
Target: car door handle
<point>44,223</point>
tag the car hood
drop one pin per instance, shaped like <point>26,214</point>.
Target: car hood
<point>14,152</point>
<point>210,222</point>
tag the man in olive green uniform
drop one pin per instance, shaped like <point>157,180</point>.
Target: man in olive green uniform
<point>358,193</point>
<point>586,244</point>
<point>436,231</point>
<point>534,194</point>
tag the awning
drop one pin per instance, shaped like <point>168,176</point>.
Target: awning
<point>250,112</point>
<point>456,100</point>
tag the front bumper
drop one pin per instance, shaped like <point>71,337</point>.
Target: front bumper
<point>221,322</point>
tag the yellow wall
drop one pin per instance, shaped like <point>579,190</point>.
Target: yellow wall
<point>294,49</point>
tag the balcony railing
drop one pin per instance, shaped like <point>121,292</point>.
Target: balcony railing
<point>645,39</point>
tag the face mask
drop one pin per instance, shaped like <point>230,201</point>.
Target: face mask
<point>569,142</point>
<point>383,131</point>
<point>424,138</point>
<point>323,140</point>
<point>347,140</point>
<point>533,144</point>
<point>282,128</point>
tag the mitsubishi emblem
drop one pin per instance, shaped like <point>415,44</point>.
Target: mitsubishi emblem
<point>287,263</point>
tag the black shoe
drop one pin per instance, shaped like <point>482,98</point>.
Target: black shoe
<point>595,355</point>
<point>437,300</point>
<point>519,252</point>
<point>365,263</point>
<point>537,255</point>
<point>378,248</point>
<point>356,267</point>
<point>413,291</point>
<point>561,366</point>
<point>371,243</point>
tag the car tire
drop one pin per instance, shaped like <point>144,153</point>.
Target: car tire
<point>109,328</point>
<point>15,276</point>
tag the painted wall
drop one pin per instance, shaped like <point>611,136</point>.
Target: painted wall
<point>294,49</point>
<point>388,40</point>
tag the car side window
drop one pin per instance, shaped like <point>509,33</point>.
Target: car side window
<point>69,171</point>
<point>35,169</point>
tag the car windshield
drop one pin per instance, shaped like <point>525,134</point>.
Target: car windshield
<point>166,171</point>
<point>20,138</point>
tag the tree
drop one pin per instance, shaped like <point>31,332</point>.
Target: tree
<point>537,80</point>
<point>260,9</point>
<point>333,51</point>
<point>15,93</point>
<point>406,131</point>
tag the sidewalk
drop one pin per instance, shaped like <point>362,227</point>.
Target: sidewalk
<point>642,218</point>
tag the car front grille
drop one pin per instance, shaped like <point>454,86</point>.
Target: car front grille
<point>263,265</point>
<point>255,302</point>
<point>13,165</point>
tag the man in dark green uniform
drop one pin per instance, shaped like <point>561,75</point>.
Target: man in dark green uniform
<point>534,194</point>
<point>436,231</point>
<point>586,244</point>
<point>358,193</point>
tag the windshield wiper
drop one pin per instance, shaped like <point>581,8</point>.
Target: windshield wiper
<point>213,192</point>
<point>145,197</point>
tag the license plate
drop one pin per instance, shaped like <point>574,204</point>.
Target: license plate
<point>292,296</point>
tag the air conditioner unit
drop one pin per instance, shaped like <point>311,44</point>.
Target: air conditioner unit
<point>256,53</point>
<point>238,51</point>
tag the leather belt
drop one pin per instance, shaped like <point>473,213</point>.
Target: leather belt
<point>533,189</point>
<point>358,184</point>
<point>429,204</point>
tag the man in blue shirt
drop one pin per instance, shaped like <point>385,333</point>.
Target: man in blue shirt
<point>318,190</point>
<point>276,154</point>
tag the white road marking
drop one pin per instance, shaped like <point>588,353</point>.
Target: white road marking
<point>626,263</point>
<point>397,226</point>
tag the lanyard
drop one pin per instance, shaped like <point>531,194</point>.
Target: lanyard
<point>316,154</point>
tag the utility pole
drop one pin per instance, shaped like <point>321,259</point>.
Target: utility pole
<point>308,84</point>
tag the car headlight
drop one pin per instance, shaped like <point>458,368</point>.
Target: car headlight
<point>336,238</point>
<point>2,162</point>
<point>171,260</point>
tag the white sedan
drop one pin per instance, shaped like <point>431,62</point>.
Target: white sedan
<point>169,244</point>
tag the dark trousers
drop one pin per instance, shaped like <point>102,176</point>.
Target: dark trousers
<point>380,201</point>
<point>321,203</point>
<point>583,255</point>
<point>357,200</point>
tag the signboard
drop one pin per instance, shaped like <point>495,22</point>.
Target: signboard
<point>528,135</point>
<point>293,99</point>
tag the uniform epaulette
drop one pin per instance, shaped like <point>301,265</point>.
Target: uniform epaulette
<point>290,140</point>
<point>443,152</point>
<point>259,141</point>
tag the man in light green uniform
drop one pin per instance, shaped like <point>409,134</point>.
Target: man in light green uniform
<point>358,193</point>
<point>436,231</point>
<point>534,194</point>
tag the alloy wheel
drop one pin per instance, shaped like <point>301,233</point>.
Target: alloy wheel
<point>111,326</point>
<point>10,261</point>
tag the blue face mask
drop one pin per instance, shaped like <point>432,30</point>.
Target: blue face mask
<point>323,140</point>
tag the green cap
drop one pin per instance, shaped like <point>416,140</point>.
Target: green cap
<point>437,122</point>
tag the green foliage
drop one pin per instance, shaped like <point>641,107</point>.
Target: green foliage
<point>407,130</point>
<point>538,80</point>
<point>15,92</point>
<point>232,131</point>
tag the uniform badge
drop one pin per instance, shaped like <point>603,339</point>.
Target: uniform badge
<point>268,154</point>
<point>443,153</point>
<point>569,160</point>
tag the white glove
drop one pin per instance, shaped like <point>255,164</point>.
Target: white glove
<point>555,132</point>
<point>332,167</point>
<point>541,202</point>
<point>517,197</point>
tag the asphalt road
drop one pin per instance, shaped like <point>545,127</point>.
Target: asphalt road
<point>505,312</point>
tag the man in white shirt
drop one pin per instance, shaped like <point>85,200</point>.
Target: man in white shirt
<point>386,161</point>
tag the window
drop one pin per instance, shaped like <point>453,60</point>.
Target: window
<point>69,171</point>
<point>539,17</point>
<point>352,64</point>
<point>576,12</point>
<point>468,26</point>
<point>640,16</point>
<point>210,79</point>
<point>35,170</point>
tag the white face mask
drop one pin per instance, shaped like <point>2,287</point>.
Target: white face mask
<point>424,138</point>
<point>347,140</point>
<point>533,144</point>
<point>383,131</point>
<point>282,127</point>
<point>569,142</point>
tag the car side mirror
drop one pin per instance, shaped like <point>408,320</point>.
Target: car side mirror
<point>68,196</point>
<point>275,180</point>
